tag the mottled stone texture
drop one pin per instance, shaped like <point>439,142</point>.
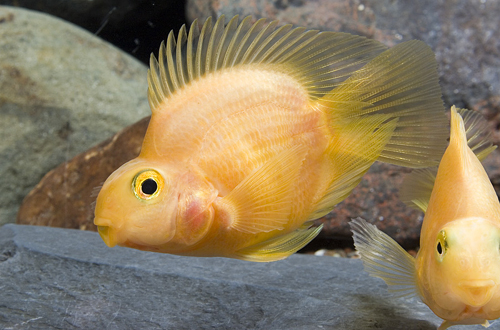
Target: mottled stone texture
<point>54,278</point>
<point>69,191</point>
<point>62,91</point>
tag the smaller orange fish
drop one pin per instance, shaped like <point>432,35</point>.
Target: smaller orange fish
<point>457,269</point>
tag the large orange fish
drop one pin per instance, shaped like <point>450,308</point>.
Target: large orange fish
<point>457,269</point>
<point>257,130</point>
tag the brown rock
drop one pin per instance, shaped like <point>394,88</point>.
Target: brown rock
<point>65,196</point>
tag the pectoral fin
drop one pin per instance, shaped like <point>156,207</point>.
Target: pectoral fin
<point>262,201</point>
<point>446,324</point>
<point>384,258</point>
<point>279,247</point>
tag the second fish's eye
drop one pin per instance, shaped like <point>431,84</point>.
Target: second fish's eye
<point>441,244</point>
<point>439,248</point>
<point>147,184</point>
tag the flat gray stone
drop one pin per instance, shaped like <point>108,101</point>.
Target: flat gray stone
<point>52,278</point>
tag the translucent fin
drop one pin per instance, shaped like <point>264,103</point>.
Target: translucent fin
<point>354,148</point>
<point>385,258</point>
<point>402,82</point>
<point>280,247</point>
<point>417,187</point>
<point>478,135</point>
<point>262,202</point>
<point>318,60</point>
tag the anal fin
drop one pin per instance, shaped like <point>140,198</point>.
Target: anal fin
<point>262,202</point>
<point>279,247</point>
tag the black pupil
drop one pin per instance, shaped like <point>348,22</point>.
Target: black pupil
<point>439,248</point>
<point>149,186</point>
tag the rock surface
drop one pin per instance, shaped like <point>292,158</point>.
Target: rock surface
<point>69,191</point>
<point>62,90</point>
<point>54,278</point>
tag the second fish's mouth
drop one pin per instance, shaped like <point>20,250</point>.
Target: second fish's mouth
<point>477,293</point>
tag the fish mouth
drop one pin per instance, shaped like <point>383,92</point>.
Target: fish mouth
<point>107,233</point>
<point>476,293</point>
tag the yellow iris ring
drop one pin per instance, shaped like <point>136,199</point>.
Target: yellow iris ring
<point>142,176</point>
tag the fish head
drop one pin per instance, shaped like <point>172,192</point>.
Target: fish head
<point>137,205</point>
<point>464,271</point>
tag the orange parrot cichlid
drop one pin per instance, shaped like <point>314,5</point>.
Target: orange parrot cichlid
<point>457,269</point>
<point>257,130</point>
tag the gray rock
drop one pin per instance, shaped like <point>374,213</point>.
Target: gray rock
<point>62,90</point>
<point>53,278</point>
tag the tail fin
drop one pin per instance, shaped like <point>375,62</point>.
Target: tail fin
<point>402,82</point>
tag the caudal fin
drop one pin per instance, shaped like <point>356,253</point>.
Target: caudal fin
<point>401,82</point>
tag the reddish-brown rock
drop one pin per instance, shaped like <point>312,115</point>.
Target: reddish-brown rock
<point>65,195</point>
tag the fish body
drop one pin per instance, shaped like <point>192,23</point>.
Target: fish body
<point>258,130</point>
<point>457,269</point>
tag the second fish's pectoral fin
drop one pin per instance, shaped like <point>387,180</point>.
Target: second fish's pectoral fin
<point>446,324</point>
<point>384,258</point>
<point>352,151</point>
<point>262,202</point>
<point>417,188</point>
<point>279,247</point>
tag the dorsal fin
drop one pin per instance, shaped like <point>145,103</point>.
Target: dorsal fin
<point>318,60</point>
<point>417,187</point>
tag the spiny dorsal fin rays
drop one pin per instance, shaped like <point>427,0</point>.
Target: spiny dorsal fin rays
<point>181,70</point>
<point>402,81</point>
<point>317,60</point>
<point>417,187</point>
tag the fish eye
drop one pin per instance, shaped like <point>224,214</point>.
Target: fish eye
<point>439,248</point>
<point>441,245</point>
<point>147,184</point>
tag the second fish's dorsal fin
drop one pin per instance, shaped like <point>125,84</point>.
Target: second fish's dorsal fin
<point>318,60</point>
<point>417,187</point>
<point>477,133</point>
